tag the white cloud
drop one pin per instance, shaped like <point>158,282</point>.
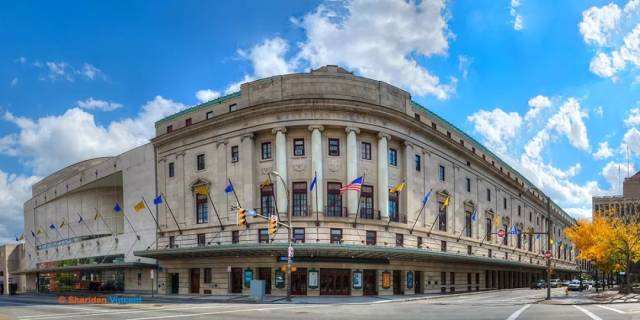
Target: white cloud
<point>64,71</point>
<point>598,23</point>
<point>94,104</point>
<point>90,72</point>
<point>604,151</point>
<point>21,60</point>
<point>518,23</point>
<point>207,95</point>
<point>14,191</point>
<point>464,63</point>
<point>579,213</point>
<point>599,111</point>
<point>631,140</point>
<point>14,82</point>
<point>614,173</point>
<point>58,70</point>
<point>53,142</point>
<point>634,118</point>
<point>267,58</point>
<point>536,104</point>
<point>496,126</point>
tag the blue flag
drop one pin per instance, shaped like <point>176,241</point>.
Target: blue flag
<point>474,215</point>
<point>33,233</point>
<point>426,198</point>
<point>52,226</point>
<point>117,208</point>
<point>313,183</point>
<point>538,236</point>
<point>514,230</point>
<point>80,220</point>
<point>229,187</point>
<point>157,200</point>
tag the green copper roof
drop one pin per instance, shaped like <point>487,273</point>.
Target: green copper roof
<point>199,106</point>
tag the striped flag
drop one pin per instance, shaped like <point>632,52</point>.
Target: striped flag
<point>355,185</point>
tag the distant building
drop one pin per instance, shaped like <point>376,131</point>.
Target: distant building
<point>625,206</point>
<point>11,257</point>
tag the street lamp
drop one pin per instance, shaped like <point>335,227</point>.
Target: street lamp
<point>548,241</point>
<point>288,278</point>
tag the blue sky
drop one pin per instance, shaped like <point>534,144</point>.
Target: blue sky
<point>544,84</point>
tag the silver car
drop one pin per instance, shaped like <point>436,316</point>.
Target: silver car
<point>574,285</point>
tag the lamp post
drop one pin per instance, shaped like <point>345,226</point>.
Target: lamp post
<point>288,278</point>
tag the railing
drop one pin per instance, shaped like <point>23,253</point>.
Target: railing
<point>335,211</point>
<point>367,213</point>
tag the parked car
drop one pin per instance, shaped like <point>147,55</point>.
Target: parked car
<point>566,283</point>
<point>538,284</point>
<point>554,283</point>
<point>574,285</point>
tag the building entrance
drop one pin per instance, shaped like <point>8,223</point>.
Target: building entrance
<point>299,282</point>
<point>370,282</point>
<point>335,282</point>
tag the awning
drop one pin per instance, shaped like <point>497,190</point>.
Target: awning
<point>89,267</point>
<point>333,250</point>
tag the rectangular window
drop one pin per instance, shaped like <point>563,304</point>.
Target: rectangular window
<point>334,147</point>
<point>298,147</point>
<point>399,240</point>
<point>371,238</point>
<point>504,203</point>
<point>172,241</point>
<point>169,128</point>
<point>334,199</point>
<point>468,184</point>
<point>235,236</point>
<point>530,242</point>
<point>202,213</point>
<point>488,225</point>
<point>519,210</point>
<point>530,217</point>
<point>200,162</point>
<point>266,151</point>
<point>336,235</point>
<point>298,235</point>
<point>235,154</point>
<point>418,163</point>
<point>469,278</point>
<point>469,250</point>
<point>419,242</point>
<point>452,278</point>
<point>441,173</point>
<point>468,224</point>
<point>207,275</point>
<point>188,122</point>
<point>442,216</point>
<point>393,207</point>
<point>443,278</point>
<point>202,239</point>
<point>299,196</point>
<point>266,200</point>
<point>416,116</point>
<point>209,115</point>
<point>263,235</point>
<point>490,253</point>
<point>366,150</point>
<point>393,157</point>
<point>366,202</point>
<point>139,279</point>
<point>443,246</point>
<point>519,239</point>
<point>172,169</point>
<point>505,239</point>
<point>233,107</point>
<point>488,194</point>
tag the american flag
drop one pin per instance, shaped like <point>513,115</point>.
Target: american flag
<point>355,185</point>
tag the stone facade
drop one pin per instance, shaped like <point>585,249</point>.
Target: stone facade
<point>625,206</point>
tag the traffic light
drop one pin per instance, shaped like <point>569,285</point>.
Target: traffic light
<point>273,224</point>
<point>242,216</point>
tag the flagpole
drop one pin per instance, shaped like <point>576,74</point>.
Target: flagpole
<point>355,222</point>
<point>150,213</point>
<point>424,205</point>
<point>105,222</point>
<point>131,225</point>
<point>234,192</point>
<point>166,203</point>
<point>214,210</point>
<point>317,204</point>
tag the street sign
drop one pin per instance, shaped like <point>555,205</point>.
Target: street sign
<point>151,274</point>
<point>290,252</point>
<point>501,233</point>
<point>251,213</point>
<point>547,254</point>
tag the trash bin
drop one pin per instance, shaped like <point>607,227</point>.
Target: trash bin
<point>13,288</point>
<point>257,290</point>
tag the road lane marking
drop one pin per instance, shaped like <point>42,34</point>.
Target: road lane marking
<point>516,314</point>
<point>588,313</point>
<point>612,309</point>
<point>34,305</point>
<point>99,313</point>
<point>222,312</point>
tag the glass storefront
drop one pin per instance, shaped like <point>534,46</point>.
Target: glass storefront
<point>96,280</point>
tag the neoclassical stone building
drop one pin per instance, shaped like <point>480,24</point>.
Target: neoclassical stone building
<point>334,126</point>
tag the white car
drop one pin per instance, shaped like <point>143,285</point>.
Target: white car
<point>574,285</point>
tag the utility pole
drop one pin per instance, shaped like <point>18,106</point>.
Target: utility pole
<point>289,227</point>
<point>548,248</point>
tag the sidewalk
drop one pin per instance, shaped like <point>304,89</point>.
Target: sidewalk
<point>591,297</point>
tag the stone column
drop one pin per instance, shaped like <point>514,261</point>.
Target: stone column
<point>383,175</point>
<point>352,168</point>
<point>219,183</point>
<point>316,168</point>
<point>281,167</point>
<point>408,204</point>
<point>247,161</point>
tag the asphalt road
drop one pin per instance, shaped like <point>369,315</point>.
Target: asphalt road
<point>504,305</point>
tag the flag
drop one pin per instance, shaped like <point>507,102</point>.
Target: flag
<point>445,203</point>
<point>355,185</point>
<point>157,200</point>
<point>514,230</point>
<point>398,187</point>
<point>52,226</point>
<point>201,190</point>
<point>39,231</point>
<point>62,224</point>
<point>17,239</point>
<point>313,183</point>
<point>80,220</point>
<point>97,215</point>
<point>33,233</point>
<point>497,220</point>
<point>265,183</point>
<point>139,206</point>
<point>551,241</point>
<point>21,237</point>
<point>538,236</point>
<point>426,198</point>
<point>229,187</point>
<point>474,214</point>
<point>117,208</point>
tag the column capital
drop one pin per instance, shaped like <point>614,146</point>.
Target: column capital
<point>408,144</point>
<point>249,135</point>
<point>279,129</point>
<point>382,135</point>
<point>352,129</point>
<point>223,142</point>
<point>316,126</point>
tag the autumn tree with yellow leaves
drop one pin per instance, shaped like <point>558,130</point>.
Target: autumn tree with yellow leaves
<point>608,242</point>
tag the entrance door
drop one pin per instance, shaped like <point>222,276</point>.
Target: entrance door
<point>265,274</point>
<point>175,283</point>
<point>195,281</point>
<point>236,280</point>
<point>397,282</point>
<point>417,280</point>
<point>299,282</point>
<point>335,282</point>
<point>370,282</point>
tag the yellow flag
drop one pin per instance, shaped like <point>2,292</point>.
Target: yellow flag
<point>39,231</point>
<point>445,204</point>
<point>202,189</point>
<point>399,187</point>
<point>97,215</point>
<point>61,225</point>
<point>497,220</point>
<point>139,206</point>
<point>265,183</point>
<point>551,241</point>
